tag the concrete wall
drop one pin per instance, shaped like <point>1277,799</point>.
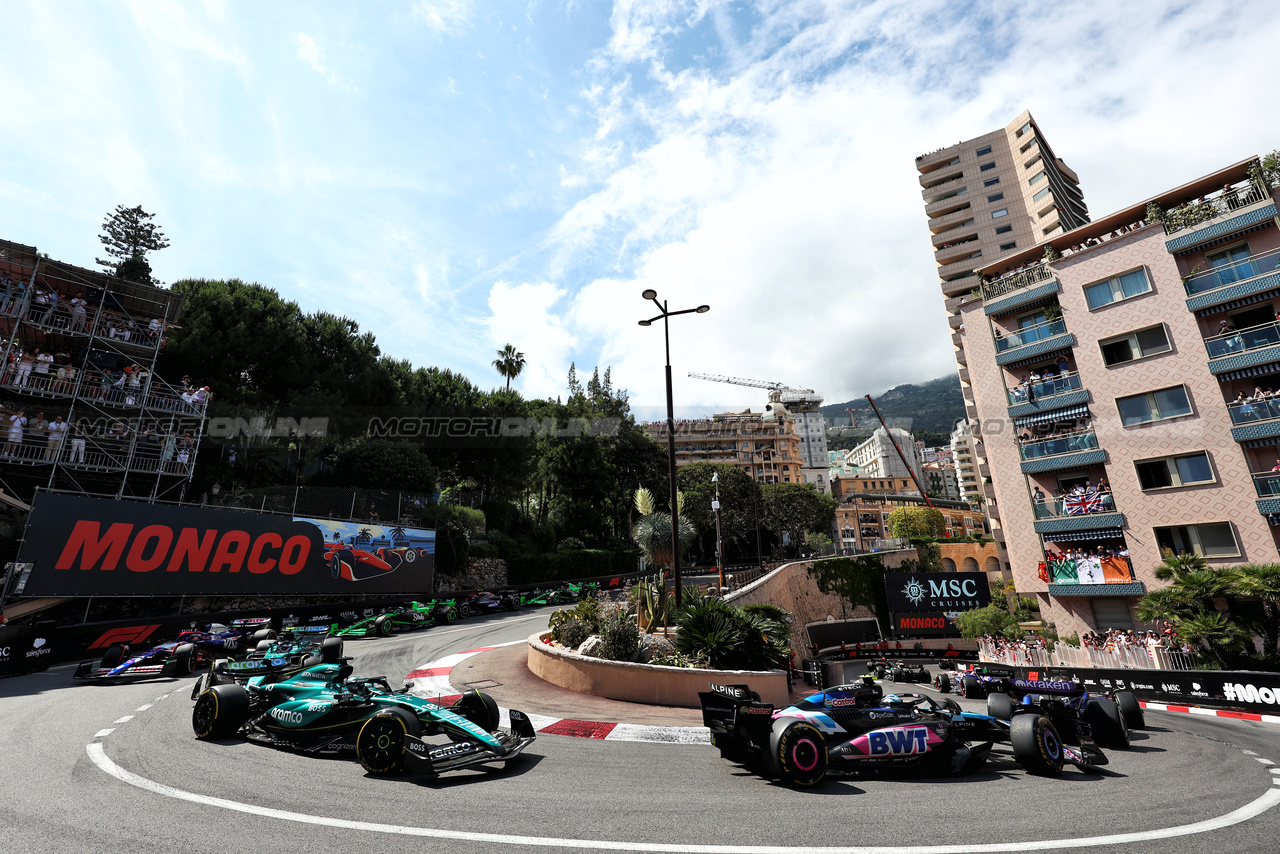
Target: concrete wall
<point>644,683</point>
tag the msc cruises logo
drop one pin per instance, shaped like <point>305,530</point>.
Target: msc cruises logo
<point>914,591</point>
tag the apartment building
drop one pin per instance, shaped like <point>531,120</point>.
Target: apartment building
<point>1119,373</point>
<point>877,457</point>
<point>939,479</point>
<point>764,445</point>
<point>986,198</point>
<point>964,456</point>
<point>862,517</point>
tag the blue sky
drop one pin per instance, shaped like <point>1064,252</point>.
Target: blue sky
<point>456,176</point>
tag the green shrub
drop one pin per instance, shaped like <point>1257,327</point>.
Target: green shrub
<point>588,612</point>
<point>679,659</point>
<point>568,566</point>
<point>619,635</point>
<point>571,633</point>
<point>570,544</point>
<point>732,638</point>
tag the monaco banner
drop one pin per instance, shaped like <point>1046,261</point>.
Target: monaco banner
<point>81,546</point>
<point>944,592</point>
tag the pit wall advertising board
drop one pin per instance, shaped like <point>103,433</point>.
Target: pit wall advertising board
<point>82,546</point>
<point>944,592</point>
<point>1250,691</point>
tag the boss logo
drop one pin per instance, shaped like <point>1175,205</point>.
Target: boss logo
<point>416,747</point>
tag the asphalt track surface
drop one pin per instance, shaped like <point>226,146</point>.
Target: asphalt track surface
<point>115,768</point>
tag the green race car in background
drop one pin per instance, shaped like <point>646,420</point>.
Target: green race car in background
<point>323,710</point>
<point>275,659</point>
<point>407,617</point>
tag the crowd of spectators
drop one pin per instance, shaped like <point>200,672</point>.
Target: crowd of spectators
<point>131,385</point>
<point>100,443</point>
<point>47,307</point>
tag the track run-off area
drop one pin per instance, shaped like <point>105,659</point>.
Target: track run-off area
<point>116,768</point>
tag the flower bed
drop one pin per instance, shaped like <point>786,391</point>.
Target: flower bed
<point>652,684</point>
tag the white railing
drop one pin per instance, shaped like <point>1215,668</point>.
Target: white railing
<point>1064,655</point>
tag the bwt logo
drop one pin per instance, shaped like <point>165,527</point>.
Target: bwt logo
<point>898,742</point>
<point>230,428</point>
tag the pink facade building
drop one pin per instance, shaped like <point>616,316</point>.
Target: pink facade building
<point>1121,374</point>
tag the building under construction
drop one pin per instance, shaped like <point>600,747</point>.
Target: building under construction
<point>81,405</point>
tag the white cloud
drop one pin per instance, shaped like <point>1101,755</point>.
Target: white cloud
<point>527,315</point>
<point>445,16</point>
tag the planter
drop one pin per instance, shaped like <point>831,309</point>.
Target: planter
<point>651,684</point>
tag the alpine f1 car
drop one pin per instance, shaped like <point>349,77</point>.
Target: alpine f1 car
<point>856,729</point>
<point>324,710</point>
<point>1074,712</point>
<point>481,603</point>
<point>192,650</point>
<point>412,615</point>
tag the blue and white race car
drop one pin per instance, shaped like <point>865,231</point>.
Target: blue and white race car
<point>191,651</point>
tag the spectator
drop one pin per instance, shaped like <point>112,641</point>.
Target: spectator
<point>77,441</point>
<point>17,422</point>
<point>57,432</point>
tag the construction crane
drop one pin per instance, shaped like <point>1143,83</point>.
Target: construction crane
<point>786,394</point>
<point>897,448</point>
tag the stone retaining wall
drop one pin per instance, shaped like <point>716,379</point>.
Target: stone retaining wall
<point>652,684</point>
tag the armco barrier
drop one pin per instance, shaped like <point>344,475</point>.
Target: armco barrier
<point>25,648</point>
<point>1245,690</point>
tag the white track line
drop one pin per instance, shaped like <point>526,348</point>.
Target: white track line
<point>1250,810</point>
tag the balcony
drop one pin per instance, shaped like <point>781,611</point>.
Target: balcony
<point>1216,214</point>
<point>1243,348</point>
<point>1090,511</point>
<point>1267,485</point>
<point>1233,273</point>
<point>1254,419</point>
<point>1043,337</point>
<point>1068,450</point>
<point>1050,393</point>
<point>1016,281</point>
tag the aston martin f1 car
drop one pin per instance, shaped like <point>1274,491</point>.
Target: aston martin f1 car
<point>192,650</point>
<point>856,729</point>
<point>412,615</point>
<point>324,710</point>
<point>292,652</point>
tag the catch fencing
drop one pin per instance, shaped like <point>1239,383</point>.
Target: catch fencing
<point>1064,655</point>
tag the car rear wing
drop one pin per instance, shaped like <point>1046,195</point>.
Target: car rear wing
<point>735,711</point>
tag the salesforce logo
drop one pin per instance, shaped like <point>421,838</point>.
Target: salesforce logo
<point>37,643</point>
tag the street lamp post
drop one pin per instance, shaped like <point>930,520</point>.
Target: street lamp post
<point>715,505</point>
<point>651,294</point>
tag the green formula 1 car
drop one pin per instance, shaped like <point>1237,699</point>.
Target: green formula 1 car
<point>275,659</point>
<point>324,710</point>
<point>407,617</point>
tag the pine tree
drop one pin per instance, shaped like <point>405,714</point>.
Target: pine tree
<point>129,234</point>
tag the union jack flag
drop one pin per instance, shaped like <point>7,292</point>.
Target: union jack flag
<point>1077,505</point>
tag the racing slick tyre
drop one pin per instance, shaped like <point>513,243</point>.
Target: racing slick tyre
<point>112,657</point>
<point>182,662</point>
<point>943,683</point>
<point>1000,706</point>
<point>464,611</point>
<point>1131,709</point>
<point>264,645</point>
<point>897,674</point>
<point>382,626</point>
<point>971,688</point>
<point>798,754</point>
<point>1109,727</point>
<point>450,615</point>
<point>380,742</point>
<point>330,650</point>
<point>479,708</point>
<point>262,635</point>
<point>220,711</point>
<point>1036,744</point>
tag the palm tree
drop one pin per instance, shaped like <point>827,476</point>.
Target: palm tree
<point>653,532</point>
<point>510,363</point>
<point>1262,582</point>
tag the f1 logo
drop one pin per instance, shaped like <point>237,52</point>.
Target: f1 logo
<point>129,634</point>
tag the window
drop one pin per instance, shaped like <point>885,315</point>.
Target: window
<point>984,150</point>
<point>1113,290</point>
<point>1040,195</point>
<point>1035,179</point>
<point>997,197</point>
<point>1167,472</point>
<point>984,167</point>
<point>1004,229</point>
<point>999,213</point>
<point>1135,345</point>
<point>1154,406</point>
<point>1023,129</point>
<point>991,182</point>
<point>1005,246</point>
<point>1213,539</point>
